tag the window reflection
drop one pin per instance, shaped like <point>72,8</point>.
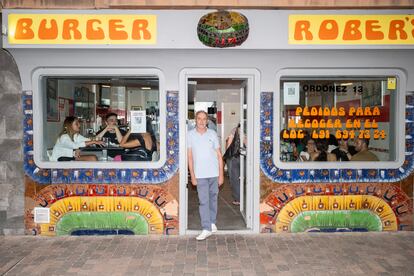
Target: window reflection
<point>118,118</point>
<point>337,119</point>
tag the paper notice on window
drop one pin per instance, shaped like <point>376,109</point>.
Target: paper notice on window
<point>391,83</point>
<point>291,93</point>
<point>138,121</point>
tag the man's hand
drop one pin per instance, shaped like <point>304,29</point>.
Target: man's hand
<point>111,127</point>
<point>221,180</point>
<point>193,181</point>
<point>76,153</point>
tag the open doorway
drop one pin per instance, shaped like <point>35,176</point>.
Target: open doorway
<point>225,101</point>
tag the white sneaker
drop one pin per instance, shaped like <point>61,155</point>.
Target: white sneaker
<point>204,235</point>
<point>213,228</point>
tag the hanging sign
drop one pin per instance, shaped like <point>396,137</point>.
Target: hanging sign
<point>82,29</point>
<point>351,29</point>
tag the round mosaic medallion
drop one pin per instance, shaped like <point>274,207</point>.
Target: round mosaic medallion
<point>223,29</point>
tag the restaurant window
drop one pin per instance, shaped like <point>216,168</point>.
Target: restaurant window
<point>107,119</point>
<point>351,119</point>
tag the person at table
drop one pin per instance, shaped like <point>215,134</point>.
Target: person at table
<point>69,141</point>
<point>139,146</point>
<point>363,152</point>
<point>111,130</point>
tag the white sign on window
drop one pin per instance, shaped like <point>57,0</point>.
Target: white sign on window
<point>291,93</point>
<point>138,121</point>
<point>41,215</point>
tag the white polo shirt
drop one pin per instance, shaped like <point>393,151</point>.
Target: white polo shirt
<point>204,148</point>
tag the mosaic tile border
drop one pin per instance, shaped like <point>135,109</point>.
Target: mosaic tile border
<point>91,194</point>
<point>391,194</point>
<point>329,175</point>
<point>132,176</point>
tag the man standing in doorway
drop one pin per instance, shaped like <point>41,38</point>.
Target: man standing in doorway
<point>205,164</point>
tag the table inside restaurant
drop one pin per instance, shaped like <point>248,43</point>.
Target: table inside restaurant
<point>103,152</point>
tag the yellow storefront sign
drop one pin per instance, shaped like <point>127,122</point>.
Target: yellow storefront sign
<point>82,29</point>
<point>351,29</point>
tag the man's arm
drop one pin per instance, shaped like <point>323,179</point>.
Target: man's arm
<point>118,134</point>
<point>221,167</point>
<point>191,166</point>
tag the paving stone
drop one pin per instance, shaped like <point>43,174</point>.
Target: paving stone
<point>341,254</point>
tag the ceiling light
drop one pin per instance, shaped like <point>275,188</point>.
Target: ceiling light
<point>348,83</point>
<point>104,85</point>
<point>146,88</point>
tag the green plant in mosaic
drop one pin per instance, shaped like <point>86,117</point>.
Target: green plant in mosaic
<point>330,220</point>
<point>131,221</point>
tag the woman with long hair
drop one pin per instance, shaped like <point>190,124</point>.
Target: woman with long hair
<point>139,146</point>
<point>69,141</point>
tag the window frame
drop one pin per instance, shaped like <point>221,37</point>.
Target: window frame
<point>38,114</point>
<point>398,126</point>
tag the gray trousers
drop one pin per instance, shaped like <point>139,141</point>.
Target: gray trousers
<point>207,189</point>
<point>233,166</point>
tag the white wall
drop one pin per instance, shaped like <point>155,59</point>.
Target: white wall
<point>52,129</point>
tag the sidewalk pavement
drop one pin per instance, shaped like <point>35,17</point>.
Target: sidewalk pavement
<point>223,254</point>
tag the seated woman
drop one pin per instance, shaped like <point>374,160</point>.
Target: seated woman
<point>309,151</point>
<point>139,146</point>
<point>69,141</point>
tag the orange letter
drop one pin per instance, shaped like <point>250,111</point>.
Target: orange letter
<point>351,111</point>
<point>298,111</point>
<point>374,124</point>
<point>91,33</point>
<point>412,23</point>
<point>341,111</point>
<point>357,123</point>
<point>397,26</point>
<point>71,25</point>
<point>367,111</point>
<point>302,26</point>
<point>351,30</point>
<point>140,25</point>
<point>370,30</point>
<point>23,30</point>
<point>114,33</point>
<point>306,111</point>
<point>348,123</point>
<point>48,33</point>
<point>326,33</point>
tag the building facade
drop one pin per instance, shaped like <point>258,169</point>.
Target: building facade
<point>303,75</point>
